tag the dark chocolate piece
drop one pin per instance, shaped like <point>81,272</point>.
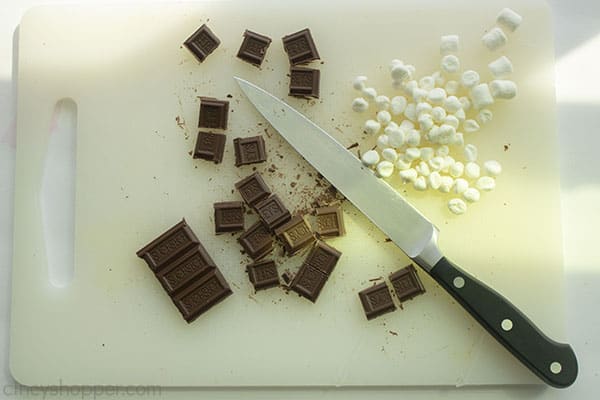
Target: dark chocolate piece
<point>257,241</point>
<point>186,269</point>
<point>295,234</point>
<point>253,48</point>
<point>249,150</point>
<point>323,257</point>
<point>377,300</point>
<point>304,82</point>
<point>263,274</point>
<point>308,282</point>
<point>202,295</point>
<point>213,113</point>
<point>210,146</point>
<point>253,189</point>
<point>272,211</point>
<point>330,221</point>
<point>300,47</point>
<point>229,216</point>
<point>406,283</point>
<point>202,43</point>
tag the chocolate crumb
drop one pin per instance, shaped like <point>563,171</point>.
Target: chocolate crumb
<point>387,240</point>
<point>506,147</point>
<point>393,333</point>
<point>229,96</point>
<point>353,145</point>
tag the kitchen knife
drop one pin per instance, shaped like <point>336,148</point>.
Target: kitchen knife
<point>555,363</point>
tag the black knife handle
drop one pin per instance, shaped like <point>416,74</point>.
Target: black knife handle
<point>555,363</point>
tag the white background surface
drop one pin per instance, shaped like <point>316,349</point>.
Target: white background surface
<point>577,38</point>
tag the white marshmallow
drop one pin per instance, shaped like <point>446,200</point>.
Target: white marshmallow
<point>449,44</point>
<point>501,67</point>
<point>434,180</point>
<point>400,73</point>
<point>460,115</point>
<point>382,141</point>
<point>452,121</point>
<point>360,105</point>
<point>492,168</point>
<point>410,112</point>
<point>413,138</point>
<point>389,154</point>
<point>494,39</point>
<point>411,69</point>
<point>472,170</point>
<point>509,19</point>
<point>390,127</point>
<point>452,104</point>
<point>402,164</point>
<point>448,163</point>
<point>423,107</point>
<point>465,102</point>
<point>450,64</point>
<point>420,183</point>
<point>452,88</point>
<point>485,183</point>
<point>438,78</point>
<point>470,126</point>
<point>412,153</point>
<point>459,139</point>
<point>481,96</point>
<point>384,117</point>
<point>385,169</point>
<point>471,195</point>
<point>436,163</point>
<point>423,169</point>
<point>370,158</point>
<point>460,185</point>
<point>395,62</point>
<point>427,82</point>
<point>409,86</point>
<point>485,116</point>
<point>359,82</point>
<point>426,153</point>
<point>398,104</point>
<point>469,79</point>
<point>438,114</point>
<point>370,93</point>
<point>419,94</point>
<point>503,89</point>
<point>434,133</point>
<point>436,96</point>
<point>396,137</point>
<point>442,151</point>
<point>457,206</point>
<point>470,153</point>
<point>407,125</point>
<point>457,169</point>
<point>382,103</point>
<point>446,183</point>
<point>408,175</point>
<point>447,131</point>
<point>425,122</point>
<point>372,127</point>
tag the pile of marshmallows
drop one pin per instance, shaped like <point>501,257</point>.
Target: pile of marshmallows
<point>423,128</point>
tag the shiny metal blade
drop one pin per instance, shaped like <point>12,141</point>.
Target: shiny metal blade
<point>400,221</point>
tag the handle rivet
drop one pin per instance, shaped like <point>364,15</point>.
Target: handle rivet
<point>458,282</point>
<point>555,367</point>
<point>506,324</point>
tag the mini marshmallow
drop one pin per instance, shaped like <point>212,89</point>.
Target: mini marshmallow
<point>470,126</point>
<point>438,114</point>
<point>452,104</point>
<point>426,153</point>
<point>369,93</point>
<point>452,87</point>
<point>408,175</point>
<point>407,125</point>
<point>460,115</point>
<point>395,62</point>
<point>501,67</point>
<point>390,127</point>
<point>411,69</point>
<point>503,89</point>
<point>400,73</point>
<point>481,96</point>
<point>484,116</point>
<point>492,168</point>
<point>425,122</point>
<point>434,180</point>
<point>469,79</point>
<point>385,169</point>
<point>509,19</point>
<point>494,39</point>
<point>423,169</point>
<point>450,64</point>
<point>396,137</point>
<point>382,103</point>
<point>442,151</point>
<point>360,105</point>
<point>459,139</point>
<point>465,103</point>
<point>420,183</point>
<point>423,107</point>
<point>470,152</point>
<point>382,141</point>
<point>436,96</point>
<point>427,82</point>
<point>460,186</point>
<point>419,94</point>
<point>398,104</point>
<point>434,133</point>
<point>449,44</point>
<point>389,154</point>
<point>372,127</point>
<point>452,121</point>
<point>438,78</point>
<point>457,206</point>
<point>359,82</point>
<point>409,87</point>
<point>448,163</point>
<point>370,158</point>
<point>384,117</point>
<point>413,138</point>
<point>446,183</point>
<point>436,163</point>
<point>471,195</point>
<point>472,170</point>
<point>402,164</point>
<point>485,183</point>
<point>447,131</point>
<point>457,169</point>
<point>410,112</point>
<point>412,153</point>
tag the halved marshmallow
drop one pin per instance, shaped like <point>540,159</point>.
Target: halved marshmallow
<point>494,39</point>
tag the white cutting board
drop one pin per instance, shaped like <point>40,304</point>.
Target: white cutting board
<point>130,77</point>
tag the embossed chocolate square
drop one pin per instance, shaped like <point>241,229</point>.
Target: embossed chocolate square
<point>202,295</point>
<point>300,47</point>
<point>323,257</point>
<point>210,146</point>
<point>295,234</point>
<point>229,216</point>
<point>407,283</point>
<point>202,43</point>
<point>272,212</point>
<point>330,221</point>
<point>377,300</point>
<point>263,274</point>
<point>253,189</point>
<point>250,150</point>
<point>184,270</point>
<point>257,241</point>
<point>308,282</point>
<point>213,113</point>
<point>253,48</point>
<point>304,82</point>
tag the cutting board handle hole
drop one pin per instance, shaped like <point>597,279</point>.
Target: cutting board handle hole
<point>57,194</point>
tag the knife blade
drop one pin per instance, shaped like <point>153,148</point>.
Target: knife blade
<point>555,363</point>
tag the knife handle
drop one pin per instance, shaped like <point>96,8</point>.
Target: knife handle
<point>555,363</point>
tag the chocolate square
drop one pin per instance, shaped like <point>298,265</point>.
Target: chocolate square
<point>407,283</point>
<point>295,234</point>
<point>377,300</point>
<point>323,257</point>
<point>229,216</point>
<point>253,189</point>
<point>210,146</point>
<point>253,48</point>
<point>330,221</point>
<point>202,43</point>
<point>304,82</point>
<point>257,241</point>
<point>308,282</point>
<point>249,150</point>
<point>202,295</point>
<point>300,47</point>
<point>263,274</point>
<point>213,113</point>
<point>272,212</point>
<point>186,269</point>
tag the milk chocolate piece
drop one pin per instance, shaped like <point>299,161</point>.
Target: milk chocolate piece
<point>249,150</point>
<point>300,47</point>
<point>304,82</point>
<point>263,274</point>
<point>253,189</point>
<point>185,270</point>
<point>202,43</point>
<point>308,282</point>
<point>213,113</point>
<point>253,48</point>
<point>330,221</point>
<point>257,241</point>
<point>377,300</point>
<point>272,212</point>
<point>295,234</point>
<point>210,146</point>
<point>323,257</point>
<point>229,216</point>
<point>406,283</point>
<point>202,295</point>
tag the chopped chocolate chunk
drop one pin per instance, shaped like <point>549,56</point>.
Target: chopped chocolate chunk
<point>295,234</point>
<point>308,282</point>
<point>323,257</point>
<point>202,43</point>
<point>253,48</point>
<point>304,82</point>
<point>287,277</point>
<point>257,241</point>
<point>377,300</point>
<point>300,47</point>
<point>249,150</point>
<point>272,212</point>
<point>263,274</point>
<point>202,295</point>
<point>213,113</point>
<point>210,146</point>
<point>253,189</point>
<point>229,216</point>
<point>186,269</point>
<point>407,283</point>
<point>330,221</point>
